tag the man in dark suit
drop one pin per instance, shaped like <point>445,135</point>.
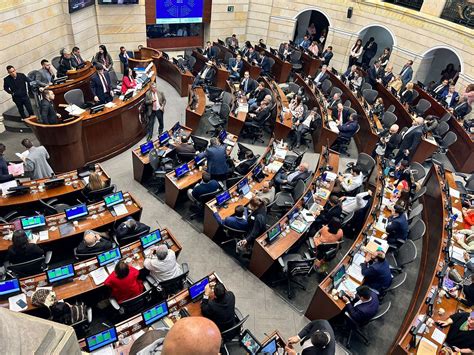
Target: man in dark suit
<point>410,140</point>
<point>441,90</point>
<point>451,98</point>
<point>209,51</point>
<point>370,49</point>
<point>252,56</point>
<point>346,130</point>
<point>406,74</point>
<point>4,174</point>
<point>206,186</point>
<point>216,159</point>
<point>248,85</point>
<point>393,142</point>
<point>397,226</point>
<point>123,56</point>
<point>206,74</point>
<point>238,221</point>
<point>316,338</point>
<point>185,147</point>
<point>332,209</point>
<point>322,75</point>
<point>387,76</point>
<point>363,307</point>
<point>291,178</point>
<point>376,271</point>
<point>101,86</point>
<point>373,74</point>
<point>235,67</point>
<point>259,113</point>
<point>18,85</point>
<point>340,113</point>
<point>256,97</point>
<point>244,166</point>
<point>76,58</point>
<point>221,310</point>
<point>264,63</point>
<point>47,112</point>
<point>335,100</point>
<point>327,55</point>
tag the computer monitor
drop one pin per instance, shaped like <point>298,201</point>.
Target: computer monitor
<point>99,340</point>
<point>222,135</point>
<point>155,313</point>
<point>199,161</point>
<point>97,108</point>
<point>182,170</point>
<point>222,198</point>
<point>54,183</point>
<point>113,199</point>
<point>9,288</point>
<point>339,275</point>
<point>249,342</point>
<point>76,212</point>
<point>60,80</point>
<point>196,290</point>
<point>270,347</point>
<point>60,273</point>
<point>164,138</point>
<point>128,95</point>
<point>293,214</point>
<point>150,239</point>
<point>243,186</point>
<point>308,199</point>
<point>109,256</point>
<point>176,127</point>
<point>258,173</point>
<point>33,222</point>
<point>273,233</point>
<point>146,147</point>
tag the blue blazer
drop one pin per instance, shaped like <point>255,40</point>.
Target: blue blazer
<point>362,313</point>
<point>327,56</point>
<point>454,100</point>
<point>232,63</point>
<point>377,276</point>
<point>397,228</point>
<point>348,129</point>
<point>265,65</point>
<point>406,77</point>
<point>98,89</point>
<point>216,159</point>
<point>205,188</point>
<point>234,222</point>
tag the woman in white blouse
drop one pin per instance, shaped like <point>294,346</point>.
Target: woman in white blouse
<point>356,51</point>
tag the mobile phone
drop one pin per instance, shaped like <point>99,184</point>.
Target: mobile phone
<point>22,304</point>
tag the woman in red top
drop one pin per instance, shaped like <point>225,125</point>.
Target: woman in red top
<point>330,233</point>
<point>124,282</point>
<point>128,80</point>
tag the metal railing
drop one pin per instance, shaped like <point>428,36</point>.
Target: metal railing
<point>411,4</point>
<point>459,11</point>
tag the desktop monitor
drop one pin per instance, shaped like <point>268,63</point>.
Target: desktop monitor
<point>270,347</point>
<point>164,138</point>
<point>113,199</point>
<point>97,108</point>
<point>222,198</point>
<point>146,147</point>
<point>55,182</point>
<point>257,172</point>
<point>222,135</point>
<point>308,199</point>
<point>60,80</point>
<point>199,160</point>
<point>155,313</point>
<point>150,239</point>
<point>243,186</point>
<point>76,212</point>
<point>182,170</point>
<point>176,127</point>
<point>339,275</point>
<point>128,95</point>
<point>9,288</point>
<point>60,273</point>
<point>33,222</point>
<point>196,290</point>
<point>109,257</point>
<point>293,214</point>
<point>273,233</point>
<point>249,342</point>
<point>99,340</point>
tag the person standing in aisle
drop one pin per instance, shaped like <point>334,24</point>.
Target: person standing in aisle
<point>156,102</point>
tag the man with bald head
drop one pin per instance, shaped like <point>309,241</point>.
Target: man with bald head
<point>393,142</point>
<point>193,335</point>
<point>410,140</point>
<point>291,178</point>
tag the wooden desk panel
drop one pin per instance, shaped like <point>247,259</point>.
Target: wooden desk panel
<point>283,124</point>
<point>311,64</point>
<point>193,117</point>
<point>222,74</point>
<point>264,254</point>
<point>281,69</point>
<point>171,73</point>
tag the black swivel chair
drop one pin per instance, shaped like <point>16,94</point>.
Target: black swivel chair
<point>199,144</point>
<point>160,166</point>
<point>326,87</point>
<point>199,204</point>
<point>185,157</point>
<point>135,304</point>
<point>468,186</point>
<point>133,237</point>
<point>294,265</point>
<point>443,146</point>
<point>421,107</point>
<point>366,164</point>
<point>388,119</point>
<point>28,268</point>
<point>440,131</point>
<point>416,229</point>
<point>233,335</point>
<point>172,286</point>
<point>295,60</point>
<point>405,255</point>
<point>98,195</point>
<point>325,252</point>
<point>218,121</point>
<point>370,95</point>
<point>421,192</point>
<point>52,207</point>
<point>286,199</point>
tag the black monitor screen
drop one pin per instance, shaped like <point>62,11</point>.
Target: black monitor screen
<point>181,170</point>
<point>223,198</point>
<point>76,5</point>
<point>164,137</point>
<point>273,233</point>
<point>60,273</point>
<point>197,289</point>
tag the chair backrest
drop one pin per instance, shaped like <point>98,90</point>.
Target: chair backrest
<point>366,163</point>
<point>446,117</point>
<point>74,97</point>
<point>176,284</point>
<point>227,57</point>
<point>137,303</point>
<point>415,95</point>
<point>83,256</point>
<point>27,268</point>
<point>448,139</point>
<point>397,281</point>
<point>419,193</point>
<point>230,333</point>
<point>415,212</point>
<point>441,129</point>
<point>406,253</point>
<point>347,103</point>
<point>134,236</point>
<point>389,119</point>
<point>422,106</point>
<point>97,195</point>
<point>200,144</point>
<point>391,108</point>
<point>298,191</point>
<point>370,95</point>
<point>209,196</point>
<point>48,209</point>
<point>295,56</point>
<point>224,112</point>
<point>154,159</point>
<point>227,98</point>
<point>335,90</point>
<point>293,87</point>
<point>326,86</point>
<point>55,62</point>
<point>299,267</point>
<point>347,218</point>
<point>185,157</point>
<point>272,62</point>
<point>365,86</point>
<point>232,233</point>
<point>383,309</point>
<point>417,170</point>
<point>191,62</point>
<point>470,184</point>
<point>351,110</point>
<point>417,229</point>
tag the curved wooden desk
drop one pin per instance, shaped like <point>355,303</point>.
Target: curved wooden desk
<point>281,69</point>
<point>222,74</point>
<point>147,53</point>
<point>169,72</point>
<point>254,70</point>
<point>283,124</point>
<point>93,137</point>
<point>461,152</point>
<point>194,114</point>
<point>264,255</point>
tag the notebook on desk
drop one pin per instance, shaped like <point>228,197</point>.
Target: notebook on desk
<point>120,209</point>
<point>99,276</point>
<point>347,285</point>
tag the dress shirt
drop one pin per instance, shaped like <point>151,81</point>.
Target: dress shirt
<point>448,98</point>
<point>162,270</point>
<point>318,77</point>
<point>307,121</point>
<point>350,182</point>
<point>354,203</point>
<point>104,83</point>
<point>204,72</point>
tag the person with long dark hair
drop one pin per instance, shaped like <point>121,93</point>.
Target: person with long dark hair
<point>128,80</point>
<point>356,51</point>
<point>22,250</point>
<point>103,57</point>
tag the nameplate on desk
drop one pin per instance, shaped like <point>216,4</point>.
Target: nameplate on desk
<point>65,229</point>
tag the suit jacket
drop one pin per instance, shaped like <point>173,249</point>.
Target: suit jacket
<point>327,56</point>
<point>454,99</point>
<point>306,333</point>
<point>397,228</point>
<point>440,90</point>
<point>265,65</point>
<point>329,212</point>
<point>407,75</point>
<point>233,63</point>
<point>301,176</point>
<point>31,252</point>
<point>98,89</point>
<point>37,163</point>
<point>377,275</point>
<point>210,52</point>
<point>216,159</point>
<point>348,129</point>
<point>321,78</point>
<point>372,75</point>
<point>185,148</point>
<point>333,104</point>
<point>386,78</point>
<point>261,115</point>
<point>253,56</point>
<point>345,114</point>
<point>4,174</point>
<point>244,167</point>
<point>251,86</point>
<point>64,66</point>
<point>369,51</point>
<point>48,113</point>
<point>258,224</point>
<point>258,95</point>
<point>412,139</point>
<point>76,60</point>
<point>123,59</point>
<point>44,78</point>
<point>221,312</point>
<point>211,73</point>
<point>392,144</point>
<point>407,97</point>
<point>205,188</point>
<point>234,222</point>
<point>99,247</point>
<point>18,87</point>
<point>363,312</point>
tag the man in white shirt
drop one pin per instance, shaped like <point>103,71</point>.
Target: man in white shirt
<point>162,264</point>
<point>303,125</point>
<point>321,76</point>
<point>350,181</point>
<point>355,203</point>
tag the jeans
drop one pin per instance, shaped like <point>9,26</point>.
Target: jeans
<point>151,123</point>
<point>300,132</point>
<point>21,103</point>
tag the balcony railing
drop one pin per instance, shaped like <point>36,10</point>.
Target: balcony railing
<point>459,11</point>
<point>411,4</point>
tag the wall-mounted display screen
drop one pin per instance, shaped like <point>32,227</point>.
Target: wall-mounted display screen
<point>179,11</point>
<point>118,2</point>
<point>76,5</point>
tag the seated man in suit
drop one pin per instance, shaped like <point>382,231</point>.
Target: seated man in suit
<point>257,96</point>
<point>349,74</point>
<point>185,147</point>
<point>451,98</point>
<point>206,74</point>
<point>238,221</point>
<point>373,74</point>
<point>94,243</point>
<point>285,51</point>
<point>257,225</point>
<point>235,67</point>
<point>130,227</point>
<point>221,309</point>
<point>334,102</point>
<point>410,140</point>
<point>332,209</point>
<point>206,186</point>
<point>306,42</point>
<point>243,167</point>
<point>260,112</point>
<point>304,124</point>
<point>317,338</point>
<point>346,130</point>
<point>441,90</point>
<point>322,75</point>
<point>252,56</point>
<point>291,178</point>
<point>47,112</point>
<point>376,271</point>
<point>76,59</point>
<point>387,76</point>
<point>363,306</point>
<point>264,63</point>
<point>216,155</point>
<point>233,41</point>
<point>247,85</point>
<point>327,55</point>
<point>101,86</point>
<point>397,226</point>
<point>209,51</point>
<point>348,182</point>
<point>340,113</point>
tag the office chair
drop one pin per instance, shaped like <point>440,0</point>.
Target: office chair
<point>440,131</point>
<point>293,265</point>
<point>335,90</point>
<point>172,286</point>
<point>160,166</point>
<point>48,209</point>
<point>347,103</point>
<point>98,195</point>
<point>416,229</point>
<point>185,157</point>
<point>325,252</point>
<point>293,87</point>
<point>417,171</point>
<point>347,218</point>
<point>218,121</point>
<point>76,97</point>
<point>199,205</point>
<point>292,161</point>
<point>242,151</point>
<point>342,143</point>
<point>366,164</point>
<point>13,216</point>
<point>326,87</point>
<point>449,139</point>
<point>357,328</point>
<point>397,281</point>
<point>85,256</point>
<point>415,96</point>
<point>28,268</point>
<point>234,179</point>
<point>288,198</point>
<point>405,255</point>
<point>135,304</point>
<point>418,194</point>
<point>370,95</point>
<point>233,234</point>
<point>468,186</point>
<point>421,107</point>
<point>133,237</point>
<point>81,327</point>
<point>55,62</point>
<point>269,72</point>
<point>388,119</point>
<point>365,86</point>
<point>227,57</point>
<point>199,144</point>
<point>214,93</point>
<point>190,62</point>
<point>446,117</point>
<point>233,335</point>
<point>416,211</point>
<point>224,98</point>
<point>254,131</point>
<point>391,109</point>
<point>295,60</point>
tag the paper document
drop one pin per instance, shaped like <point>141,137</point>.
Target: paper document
<point>74,110</point>
<point>275,166</point>
<point>120,209</point>
<point>12,302</point>
<point>243,108</point>
<point>108,350</point>
<point>16,169</point>
<point>438,336</point>
<point>110,105</point>
<point>6,185</point>
<point>99,276</point>
<point>457,253</point>
<point>347,285</point>
<point>23,155</point>
<point>355,272</point>
<point>333,126</point>
<point>43,235</point>
<point>330,176</point>
<point>280,153</point>
<point>358,259</point>
<point>427,347</point>
<point>375,243</point>
<point>454,193</point>
<point>111,267</point>
<point>249,195</point>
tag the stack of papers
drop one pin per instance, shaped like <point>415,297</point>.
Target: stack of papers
<point>14,300</point>
<point>347,285</point>
<point>99,276</point>
<point>280,153</point>
<point>275,166</point>
<point>23,155</point>
<point>427,347</point>
<point>375,243</point>
<point>120,209</point>
<point>16,169</point>
<point>457,253</point>
<point>330,176</point>
<point>6,185</point>
<point>110,105</point>
<point>74,110</point>
<point>298,226</point>
<point>333,126</point>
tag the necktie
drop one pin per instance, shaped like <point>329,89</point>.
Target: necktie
<point>245,85</point>
<point>104,83</point>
